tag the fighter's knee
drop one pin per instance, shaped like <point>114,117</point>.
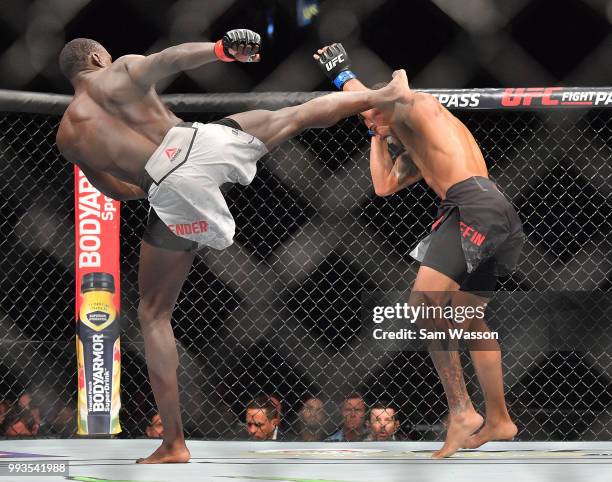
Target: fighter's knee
<point>295,128</point>
<point>436,298</point>
<point>292,121</point>
<point>150,312</point>
<point>429,306</point>
<point>429,298</point>
<point>145,312</point>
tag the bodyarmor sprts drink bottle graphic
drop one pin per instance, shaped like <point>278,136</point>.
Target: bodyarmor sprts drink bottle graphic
<point>98,356</point>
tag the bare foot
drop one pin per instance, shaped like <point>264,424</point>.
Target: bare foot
<point>492,431</point>
<point>166,454</point>
<point>401,73</point>
<point>397,87</point>
<point>460,427</point>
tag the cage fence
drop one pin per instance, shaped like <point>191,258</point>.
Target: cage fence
<point>279,311</point>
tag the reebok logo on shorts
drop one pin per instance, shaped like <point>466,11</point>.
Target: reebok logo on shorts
<point>196,227</point>
<point>172,152</point>
<point>474,236</point>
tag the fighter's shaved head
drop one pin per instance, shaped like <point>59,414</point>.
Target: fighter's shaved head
<point>75,55</point>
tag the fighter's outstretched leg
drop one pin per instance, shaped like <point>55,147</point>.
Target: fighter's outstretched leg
<point>161,275</point>
<point>274,127</point>
<point>435,289</point>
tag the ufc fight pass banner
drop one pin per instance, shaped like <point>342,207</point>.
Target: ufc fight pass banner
<point>525,98</point>
<point>97,309</point>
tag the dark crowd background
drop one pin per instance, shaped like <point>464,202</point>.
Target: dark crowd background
<point>278,314</point>
<point>440,43</point>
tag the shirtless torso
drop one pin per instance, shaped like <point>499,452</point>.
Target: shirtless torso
<point>108,102</point>
<point>111,130</point>
<point>439,144</point>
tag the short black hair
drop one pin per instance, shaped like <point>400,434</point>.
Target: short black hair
<point>385,405</point>
<point>75,54</point>
<point>308,396</point>
<point>263,402</point>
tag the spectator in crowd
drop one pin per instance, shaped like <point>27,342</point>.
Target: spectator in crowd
<point>20,422</point>
<point>276,400</point>
<point>155,428</point>
<point>26,402</point>
<point>312,419</point>
<point>383,422</point>
<point>353,412</point>
<point>63,423</point>
<point>262,419</point>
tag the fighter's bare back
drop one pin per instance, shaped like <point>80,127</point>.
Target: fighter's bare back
<point>113,124</point>
<point>439,144</point>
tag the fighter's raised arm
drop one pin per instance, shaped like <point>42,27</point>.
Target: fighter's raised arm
<point>413,108</point>
<point>336,64</point>
<point>240,45</point>
<point>390,175</point>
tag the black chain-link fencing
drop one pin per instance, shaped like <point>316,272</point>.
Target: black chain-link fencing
<point>279,311</point>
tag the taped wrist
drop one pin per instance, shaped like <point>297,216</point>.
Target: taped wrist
<point>220,52</point>
<point>342,78</point>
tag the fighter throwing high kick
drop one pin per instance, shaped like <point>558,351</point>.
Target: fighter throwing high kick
<point>130,146</point>
<point>477,235</point>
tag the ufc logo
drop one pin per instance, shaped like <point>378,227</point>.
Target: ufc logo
<point>522,96</point>
<point>335,61</point>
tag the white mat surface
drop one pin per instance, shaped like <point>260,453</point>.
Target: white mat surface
<point>101,460</point>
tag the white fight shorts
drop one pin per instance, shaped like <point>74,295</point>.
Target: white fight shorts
<point>187,169</point>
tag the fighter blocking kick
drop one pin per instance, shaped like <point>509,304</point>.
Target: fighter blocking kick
<point>476,237</point>
<point>130,145</point>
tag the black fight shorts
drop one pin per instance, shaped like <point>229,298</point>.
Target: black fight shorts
<point>477,236</point>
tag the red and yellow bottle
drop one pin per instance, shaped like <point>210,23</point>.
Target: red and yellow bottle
<point>98,357</point>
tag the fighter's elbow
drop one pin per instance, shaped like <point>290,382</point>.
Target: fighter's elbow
<point>382,190</point>
<point>384,194</point>
<point>109,193</point>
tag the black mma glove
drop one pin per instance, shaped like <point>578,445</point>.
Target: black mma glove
<point>335,63</point>
<point>233,39</point>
